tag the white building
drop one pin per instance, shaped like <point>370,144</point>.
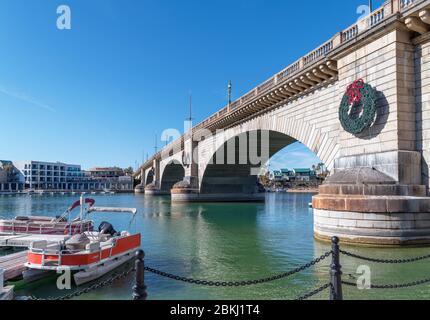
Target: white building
<point>10,180</point>
<point>48,175</point>
<point>38,175</point>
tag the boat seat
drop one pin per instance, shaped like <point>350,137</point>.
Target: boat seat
<point>21,218</point>
<point>97,236</point>
<point>78,242</point>
<point>53,246</point>
<point>93,247</point>
<point>42,244</point>
<point>107,243</point>
<point>33,218</point>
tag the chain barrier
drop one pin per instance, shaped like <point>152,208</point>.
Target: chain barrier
<point>124,274</point>
<point>239,283</point>
<point>384,261</point>
<point>86,290</point>
<point>333,290</point>
<point>315,292</point>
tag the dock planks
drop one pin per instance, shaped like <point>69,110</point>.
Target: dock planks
<point>24,240</point>
<point>13,264</point>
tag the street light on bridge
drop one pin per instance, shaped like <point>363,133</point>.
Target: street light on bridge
<point>229,93</point>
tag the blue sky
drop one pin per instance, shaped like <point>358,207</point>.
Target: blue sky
<point>98,94</point>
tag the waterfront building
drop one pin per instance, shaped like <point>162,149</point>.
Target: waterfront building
<point>39,175</point>
<point>277,176</point>
<point>304,174</point>
<point>106,172</point>
<point>287,174</point>
<point>300,174</point>
<point>9,177</point>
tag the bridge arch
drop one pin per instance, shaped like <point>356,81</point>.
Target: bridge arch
<point>172,173</point>
<point>282,131</point>
<point>149,177</point>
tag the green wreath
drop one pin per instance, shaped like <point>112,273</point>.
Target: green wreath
<point>358,107</point>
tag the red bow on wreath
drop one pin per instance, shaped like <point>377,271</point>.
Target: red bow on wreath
<point>353,91</point>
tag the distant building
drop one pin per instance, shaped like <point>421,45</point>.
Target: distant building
<point>277,176</point>
<point>38,175</point>
<point>295,175</point>
<point>106,172</point>
<point>41,175</point>
<point>287,174</point>
<point>3,176</point>
<point>10,180</point>
<point>304,174</point>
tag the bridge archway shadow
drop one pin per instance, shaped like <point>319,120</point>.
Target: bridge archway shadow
<point>150,177</point>
<point>173,173</point>
<point>228,173</point>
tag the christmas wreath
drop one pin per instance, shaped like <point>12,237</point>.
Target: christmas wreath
<point>358,107</point>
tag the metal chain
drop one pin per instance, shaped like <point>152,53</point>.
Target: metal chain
<point>353,255</point>
<point>89,289</point>
<point>239,283</point>
<point>391,286</point>
<point>124,274</point>
<point>315,292</point>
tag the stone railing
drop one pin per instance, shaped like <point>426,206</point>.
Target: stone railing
<point>289,71</point>
<point>247,97</point>
<point>266,86</point>
<point>234,105</point>
<point>404,4</point>
<point>350,33</point>
<point>389,8</point>
<point>377,16</point>
<point>318,53</point>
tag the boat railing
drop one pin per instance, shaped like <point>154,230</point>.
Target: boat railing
<point>60,253</point>
<point>112,210</point>
<point>17,227</point>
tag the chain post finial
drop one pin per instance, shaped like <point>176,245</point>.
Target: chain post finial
<point>335,272</point>
<point>139,289</point>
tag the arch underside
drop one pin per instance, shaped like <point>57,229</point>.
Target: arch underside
<point>228,174</point>
<point>149,178</point>
<point>173,173</point>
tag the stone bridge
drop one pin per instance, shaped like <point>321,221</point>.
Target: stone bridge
<point>377,192</point>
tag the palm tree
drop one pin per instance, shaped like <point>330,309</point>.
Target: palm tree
<point>129,171</point>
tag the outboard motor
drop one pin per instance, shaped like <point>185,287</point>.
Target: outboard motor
<point>107,228</point>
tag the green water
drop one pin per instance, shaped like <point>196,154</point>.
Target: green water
<point>226,242</point>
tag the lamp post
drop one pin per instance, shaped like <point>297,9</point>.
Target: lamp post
<point>229,93</point>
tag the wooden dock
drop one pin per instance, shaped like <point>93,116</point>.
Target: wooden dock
<point>24,240</point>
<point>13,265</point>
<point>7,293</point>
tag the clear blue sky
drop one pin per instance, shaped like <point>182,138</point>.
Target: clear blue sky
<point>97,94</point>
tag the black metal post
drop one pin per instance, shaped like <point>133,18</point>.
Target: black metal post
<point>139,289</point>
<point>335,272</point>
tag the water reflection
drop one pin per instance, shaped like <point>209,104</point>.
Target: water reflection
<point>215,241</point>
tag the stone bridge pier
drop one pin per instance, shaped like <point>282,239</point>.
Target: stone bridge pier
<point>360,102</point>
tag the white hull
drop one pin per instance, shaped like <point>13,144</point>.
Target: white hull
<point>99,271</point>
